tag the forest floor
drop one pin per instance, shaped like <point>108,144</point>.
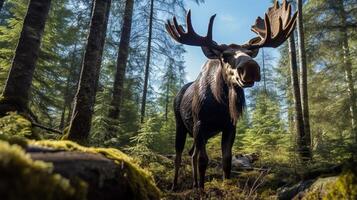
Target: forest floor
<point>263,182</point>
<point>269,179</point>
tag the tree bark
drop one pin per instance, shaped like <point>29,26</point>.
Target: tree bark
<point>348,67</point>
<point>264,78</point>
<point>147,65</point>
<point>61,126</point>
<point>167,95</point>
<point>123,53</point>
<point>301,140</point>
<point>17,88</point>
<point>167,100</point>
<point>303,73</point>
<point>85,98</point>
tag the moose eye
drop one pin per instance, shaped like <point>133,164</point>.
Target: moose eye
<point>226,56</point>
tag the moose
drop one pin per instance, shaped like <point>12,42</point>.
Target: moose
<point>215,100</point>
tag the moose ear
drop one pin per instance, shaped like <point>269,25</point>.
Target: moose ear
<point>253,53</point>
<point>211,53</point>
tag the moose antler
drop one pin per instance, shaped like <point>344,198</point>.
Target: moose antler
<point>190,37</point>
<point>275,28</point>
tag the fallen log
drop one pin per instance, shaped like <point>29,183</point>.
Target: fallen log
<point>105,179</point>
<point>64,170</point>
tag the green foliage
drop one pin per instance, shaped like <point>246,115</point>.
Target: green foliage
<point>143,141</point>
<point>9,35</point>
<point>15,125</point>
<point>28,179</point>
<point>266,130</point>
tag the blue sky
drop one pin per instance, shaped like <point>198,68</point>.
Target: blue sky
<point>232,25</point>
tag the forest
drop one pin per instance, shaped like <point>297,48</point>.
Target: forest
<point>88,89</point>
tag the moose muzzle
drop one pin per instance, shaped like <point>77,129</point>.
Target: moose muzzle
<point>248,73</point>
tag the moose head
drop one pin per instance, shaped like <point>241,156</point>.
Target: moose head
<point>237,60</point>
<point>214,101</point>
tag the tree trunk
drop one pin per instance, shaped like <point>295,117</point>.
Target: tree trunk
<point>66,104</point>
<point>85,98</point>
<point>264,78</point>
<point>303,73</point>
<point>17,88</point>
<point>147,65</point>
<point>348,67</point>
<point>302,144</point>
<point>62,122</point>
<point>167,101</point>
<point>167,95</point>
<point>1,4</point>
<point>122,59</point>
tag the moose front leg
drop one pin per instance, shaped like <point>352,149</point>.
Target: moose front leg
<point>228,136</point>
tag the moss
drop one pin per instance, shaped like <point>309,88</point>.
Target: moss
<point>15,129</point>
<point>341,187</point>
<point>344,188</point>
<point>23,178</point>
<point>141,181</point>
<point>227,189</point>
<point>65,133</point>
<point>14,124</point>
<point>319,188</point>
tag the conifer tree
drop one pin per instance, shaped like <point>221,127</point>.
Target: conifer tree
<point>16,94</point>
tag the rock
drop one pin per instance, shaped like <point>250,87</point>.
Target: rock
<point>318,189</point>
<point>343,186</point>
<point>288,193</point>
<point>244,161</point>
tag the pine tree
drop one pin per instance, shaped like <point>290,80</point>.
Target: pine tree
<point>332,86</point>
<point>123,54</point>
<point>17,88</point>
<point>303,73</point>
<point>147,63</point>
<point>122,59</point>
<point>346,57</point>
<point>85,98</point>
<point>301,139</point>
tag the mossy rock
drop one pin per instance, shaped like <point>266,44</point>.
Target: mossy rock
<point>343,186</point>
<point>108,169</point>
<point>127,178</point>
<point>23,178</point>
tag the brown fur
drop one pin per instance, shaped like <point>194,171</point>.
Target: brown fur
<point>214,75</point>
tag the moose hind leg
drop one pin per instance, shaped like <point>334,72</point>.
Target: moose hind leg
<point>194,162</point>
<point>202,163</point>
<point>181,134</point>
<point>199,156</point>
<point>226,146</point>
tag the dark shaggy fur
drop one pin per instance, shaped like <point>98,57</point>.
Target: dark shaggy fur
<point>203,109</point>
